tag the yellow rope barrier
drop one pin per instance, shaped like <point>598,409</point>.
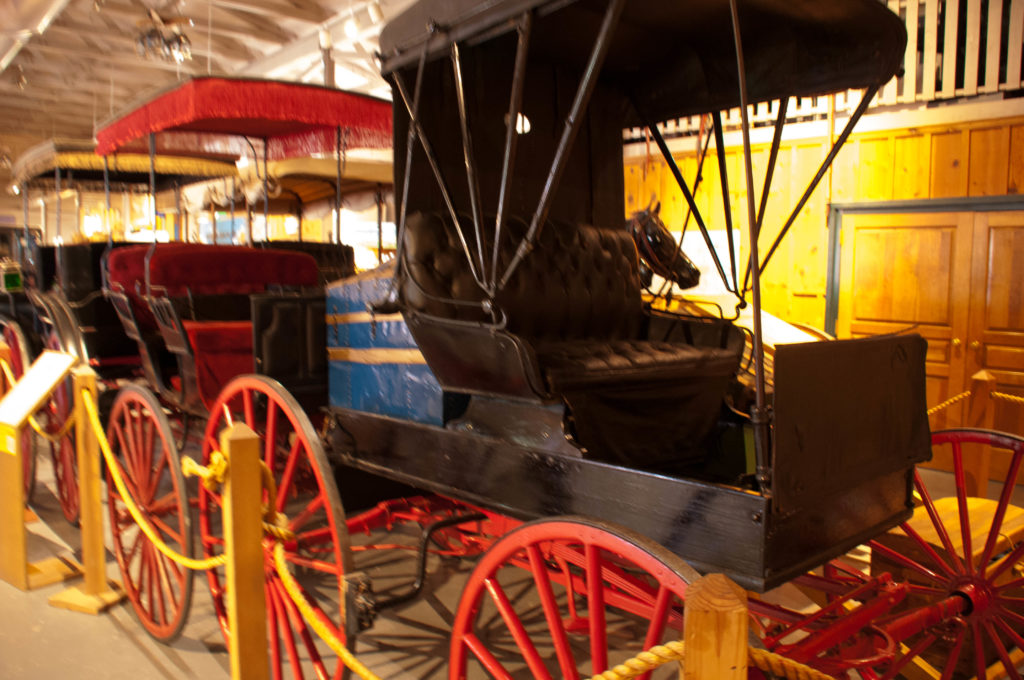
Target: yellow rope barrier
<point>52,437</point>
<point>325,633</point>
<point>1008,397</point>
<point>949,402</point>
<point>113,467</point>
<point>213,475</point>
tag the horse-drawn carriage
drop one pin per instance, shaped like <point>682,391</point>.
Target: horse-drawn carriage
<point>60,304</point>
<point>507,365</point>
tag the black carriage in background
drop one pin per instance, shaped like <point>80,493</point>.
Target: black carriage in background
<point>60,305</point>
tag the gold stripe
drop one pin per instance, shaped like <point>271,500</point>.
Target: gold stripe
<point>379,355</point>
<point>361,317</point>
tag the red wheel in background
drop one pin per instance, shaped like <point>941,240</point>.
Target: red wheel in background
<point>140,436</point>
<point>567,598</point>
<point>966,555</point>
<point>319,556</point>
<point>944,595</point>
<point>62,452</point>
<point>20,361</point>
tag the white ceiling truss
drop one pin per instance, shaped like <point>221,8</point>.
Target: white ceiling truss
<point>66,65</point>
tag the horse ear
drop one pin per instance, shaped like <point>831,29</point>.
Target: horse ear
<point>657,208</point>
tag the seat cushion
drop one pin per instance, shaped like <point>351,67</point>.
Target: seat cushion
<point>575,364</point>
<point>223,350</point>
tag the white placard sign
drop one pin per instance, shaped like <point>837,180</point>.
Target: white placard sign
<point>33,389</point>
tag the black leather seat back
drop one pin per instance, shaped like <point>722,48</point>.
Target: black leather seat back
<point>578,282</point>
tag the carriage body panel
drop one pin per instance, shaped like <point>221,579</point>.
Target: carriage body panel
<point>374,364</point>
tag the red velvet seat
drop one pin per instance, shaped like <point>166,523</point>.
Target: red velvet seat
<point>222,348</point>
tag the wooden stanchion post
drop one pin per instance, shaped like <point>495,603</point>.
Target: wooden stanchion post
<point>981,413</point>
<point>243,538</point>
<point>25,398</point>
<point>95,594</point>
<point>715,630</point>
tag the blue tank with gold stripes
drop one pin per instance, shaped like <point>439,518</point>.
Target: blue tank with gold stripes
<point>373,362</point>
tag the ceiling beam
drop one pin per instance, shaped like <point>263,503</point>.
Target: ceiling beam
<point>261,25</point>
<point>223,23</point>
<point>135,63</point>
<point>309,12</point>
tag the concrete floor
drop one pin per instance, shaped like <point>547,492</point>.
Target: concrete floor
<point>40,641</point>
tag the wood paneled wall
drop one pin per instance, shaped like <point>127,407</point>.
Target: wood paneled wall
<point>957,160</point>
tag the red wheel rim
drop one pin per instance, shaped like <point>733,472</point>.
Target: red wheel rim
<point>159,589</point>
<point>532,607</point>
<point>319,556</point>
<point>984,633</point>
<point>62,453</point>
<point>933,608</point>
<point>15,339</point>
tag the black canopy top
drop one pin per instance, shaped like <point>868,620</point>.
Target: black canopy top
<point>674,59</point>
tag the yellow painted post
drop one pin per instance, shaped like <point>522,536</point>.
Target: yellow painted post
<point>715,630</point>
<point>95,594</point>
<point>981,413</point>
<point>24,398</point>
<point>13,551</point>
<point>243,538</point>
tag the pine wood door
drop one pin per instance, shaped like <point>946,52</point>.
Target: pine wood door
<point>958,280</point>
<point>902,272</point>
<point>995,337</point>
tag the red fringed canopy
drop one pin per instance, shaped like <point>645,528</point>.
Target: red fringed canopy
<point>295,119</point>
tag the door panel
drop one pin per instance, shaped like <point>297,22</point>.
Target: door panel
<point>903,272</point>
<point>996,331</point>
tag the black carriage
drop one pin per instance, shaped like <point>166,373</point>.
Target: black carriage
<point>60,304</point>
<point>508,363</point>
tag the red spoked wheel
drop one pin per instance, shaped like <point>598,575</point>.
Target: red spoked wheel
<point>319,556</point>
<point>963,558</point>
<point>944,596</point>
<point>62,452</point>
<point>567,598</point>
<point>159,589</point>
<point>20,361</point>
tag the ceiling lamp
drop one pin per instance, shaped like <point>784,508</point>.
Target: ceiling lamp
<point>164,38</point>
<point>351,28</point>
<point>375,12</point>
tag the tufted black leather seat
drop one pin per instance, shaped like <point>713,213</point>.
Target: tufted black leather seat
<point>574,330</point>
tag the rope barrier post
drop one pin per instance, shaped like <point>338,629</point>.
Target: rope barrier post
<point>5,387</point>
<point>27,395</point>
<point>243,536</point>
<point>95,594</point>
<point>715,630</point>
<point>980,413</point>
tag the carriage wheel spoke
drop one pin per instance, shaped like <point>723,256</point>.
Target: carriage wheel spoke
<point>595,610</point>
<point>270,443</point>
<point>515,626</point>
<point>656,628</point>
<point>1008,666</point>
<point>940,529</point>
<point>1004,502</point>
<point>904,561</point>
<point>273,632</point>
<point>307,513</point>
<point>539,569</point>
<point>913,653</point>
<point>493,666</point>
<point>247,409</point>
<point>285,631</point>
<point>1012,558</point>
<point>285,483</point>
